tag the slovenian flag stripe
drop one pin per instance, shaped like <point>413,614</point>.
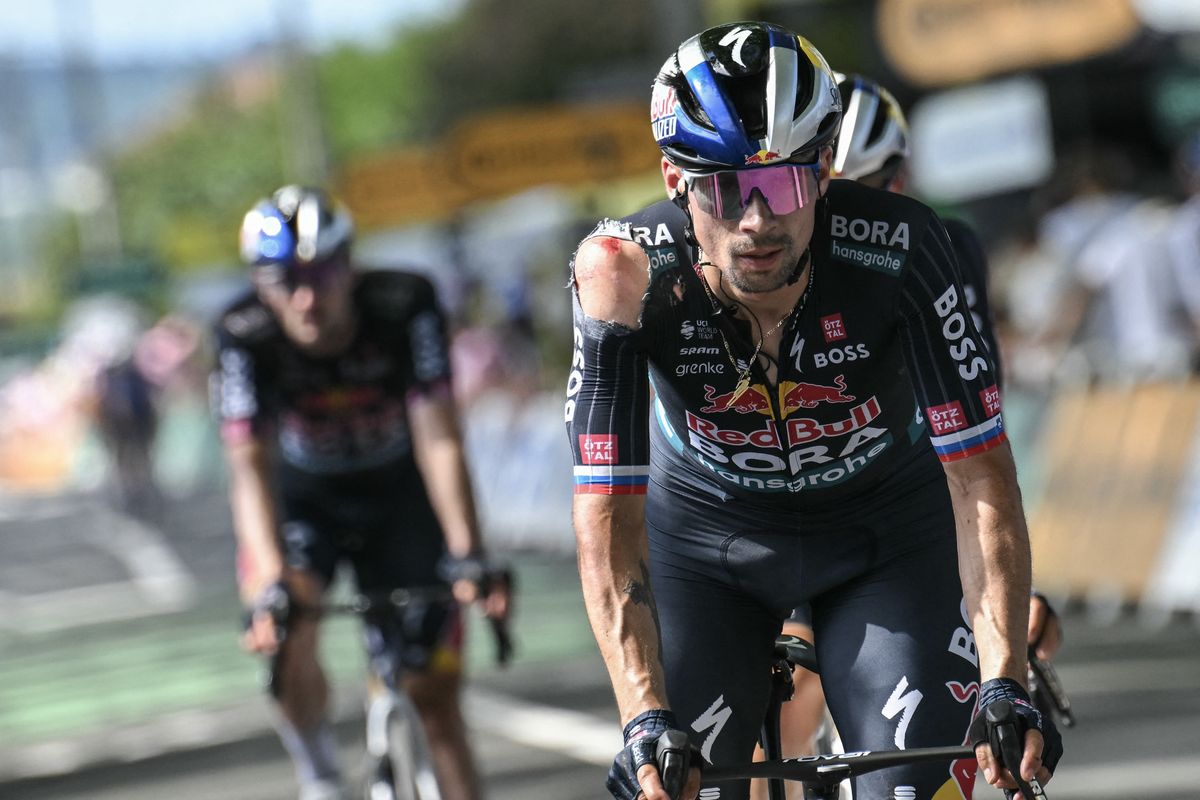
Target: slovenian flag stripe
<point>611,479</point>
<point>969,442</point>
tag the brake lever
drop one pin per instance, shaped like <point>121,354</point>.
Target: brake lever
<point>672,757</point>
<point>1008,745</point>
<point>1045,683</point>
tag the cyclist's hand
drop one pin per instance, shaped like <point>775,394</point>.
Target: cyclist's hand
<point>475,580</point>
<point>265,618</point>
<point>1013,723</point>
<point>1045,629</point>
<point>635,769</point>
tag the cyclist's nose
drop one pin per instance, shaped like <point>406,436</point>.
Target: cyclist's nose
<point>303,297</point>
<point>757,212</point>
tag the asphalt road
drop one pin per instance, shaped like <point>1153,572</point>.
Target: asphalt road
<point>547,733</point>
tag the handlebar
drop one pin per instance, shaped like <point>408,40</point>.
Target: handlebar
<point>835,767</point>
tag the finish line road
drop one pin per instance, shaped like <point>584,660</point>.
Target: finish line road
<point>549,733</point>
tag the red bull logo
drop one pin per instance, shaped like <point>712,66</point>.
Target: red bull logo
<point>751,398</point>
<point>763,157</point>
<point>809,395</point>
<point>795,432</point>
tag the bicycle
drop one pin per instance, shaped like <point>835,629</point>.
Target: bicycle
<point>399,764</point>
<point>826,776</point>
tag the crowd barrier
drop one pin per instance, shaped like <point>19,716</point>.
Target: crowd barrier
<point>1111,478</point>
<point>1116,513</point>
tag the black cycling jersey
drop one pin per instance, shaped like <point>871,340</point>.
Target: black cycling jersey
<point>822,489</point>
<point>342,417</point>
<point>885,320</point>
<point>348,481</point>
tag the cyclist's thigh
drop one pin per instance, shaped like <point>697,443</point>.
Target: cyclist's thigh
<point>400,547</point>
<point>898,664</point>
<point>717,647</point>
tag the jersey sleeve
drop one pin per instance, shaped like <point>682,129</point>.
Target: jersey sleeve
<point>608,409</point>
<point>608,404</point>
<point>972,263</point>
<point>235,389</point>
<point>952,370</point>
<point>428,341</point>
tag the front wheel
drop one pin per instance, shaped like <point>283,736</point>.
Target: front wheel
<point>400,764</point>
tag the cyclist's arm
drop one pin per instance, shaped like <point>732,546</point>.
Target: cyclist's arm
<point>610,280</point>
<point>994,558</point>
<point>955,382</point>
<point>260,560</point>
<point>437,443</point>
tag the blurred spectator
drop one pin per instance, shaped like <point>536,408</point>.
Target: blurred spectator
<point>1096,298</point>
<point>1183,239</point>
<point>127,421</point>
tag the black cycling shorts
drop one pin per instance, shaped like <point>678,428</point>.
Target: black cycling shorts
<point>389,543</point>
<point>897,659</point>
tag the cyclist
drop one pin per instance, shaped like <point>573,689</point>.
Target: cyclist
<point>873,148</point>
<point>332,390</point>
<point>786,324</point>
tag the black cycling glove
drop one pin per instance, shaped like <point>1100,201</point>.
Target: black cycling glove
<point>984,728</point>
<point>642,736</point>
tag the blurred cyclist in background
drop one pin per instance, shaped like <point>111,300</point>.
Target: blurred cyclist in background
<point>825,428</point>
<point>333,392</point>
<point>873,149</point>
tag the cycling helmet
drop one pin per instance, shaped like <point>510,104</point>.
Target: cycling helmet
<point>297,225</point>
<point>744,95</point>
<point>874,134</point>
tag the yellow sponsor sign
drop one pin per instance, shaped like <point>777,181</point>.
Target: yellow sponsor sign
<point>943,42</point>
<point>502,153</point>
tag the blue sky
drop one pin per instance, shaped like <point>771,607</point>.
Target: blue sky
<point>172,29</point>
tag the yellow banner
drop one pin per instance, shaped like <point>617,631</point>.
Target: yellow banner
<point>943,42</point>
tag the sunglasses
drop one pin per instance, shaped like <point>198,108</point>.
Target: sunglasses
<point>784,188</point>
<point>317,275</point>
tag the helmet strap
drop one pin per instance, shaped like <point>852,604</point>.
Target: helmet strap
<point>680,199</point>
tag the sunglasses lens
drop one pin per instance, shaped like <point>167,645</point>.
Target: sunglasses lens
<point>727,194</point>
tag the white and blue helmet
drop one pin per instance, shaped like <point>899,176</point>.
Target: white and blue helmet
<point>744,95</point>
<point>297,225</point>
<point>874,135</point>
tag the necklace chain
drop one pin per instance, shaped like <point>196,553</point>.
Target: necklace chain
<point>743,381</point>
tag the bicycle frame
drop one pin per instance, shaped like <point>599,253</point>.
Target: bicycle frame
<point>395,735</point>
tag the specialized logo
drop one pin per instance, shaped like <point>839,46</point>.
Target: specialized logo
<point>902,703</point>
<point>712,720</point>
<point>598,448</point>
<point>833,328</point>
<point>809,395</point>
<point>956,332</point>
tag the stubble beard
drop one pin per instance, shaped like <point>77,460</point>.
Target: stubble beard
<point>758,283</point>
